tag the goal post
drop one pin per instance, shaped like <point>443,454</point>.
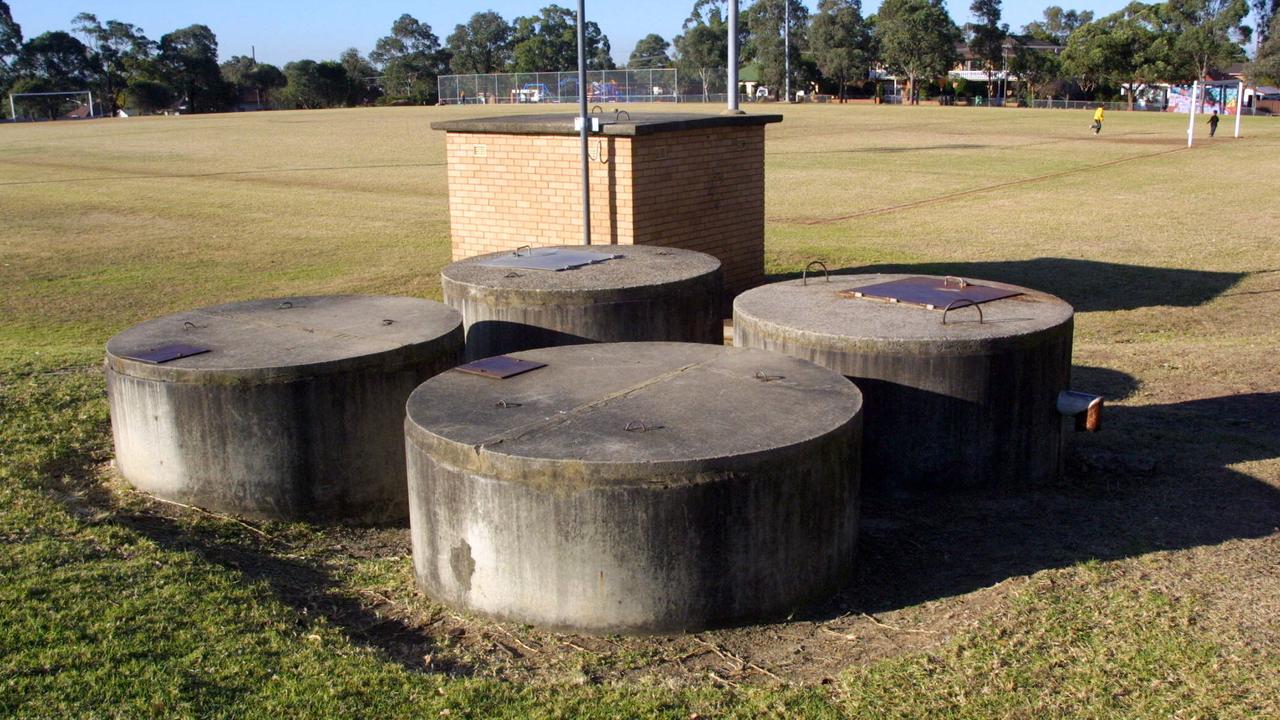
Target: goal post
<point>13,108</point>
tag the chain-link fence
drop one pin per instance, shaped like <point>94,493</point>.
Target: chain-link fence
<point>647,85</point>
<point>1046,104</point>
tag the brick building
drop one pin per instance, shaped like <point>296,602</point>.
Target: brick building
<point>686,181</point>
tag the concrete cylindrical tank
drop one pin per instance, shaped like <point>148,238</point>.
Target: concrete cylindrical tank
<point>952,403</point>
<point>283,409</point>
<point>634,487</point>
<point>646,294</point>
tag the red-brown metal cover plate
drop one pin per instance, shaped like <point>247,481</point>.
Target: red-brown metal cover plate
<point>499,367</point>
<point>930,292</point>
<point>166,353</point>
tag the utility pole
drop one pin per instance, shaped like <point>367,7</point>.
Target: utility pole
<point>786,45</point>
<point>732,61</point>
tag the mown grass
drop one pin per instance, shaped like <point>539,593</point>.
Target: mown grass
<point>111,608</point>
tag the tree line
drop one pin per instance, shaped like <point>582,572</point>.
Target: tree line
<point>834,47</point>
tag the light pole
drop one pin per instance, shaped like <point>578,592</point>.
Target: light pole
<point>732,60</point>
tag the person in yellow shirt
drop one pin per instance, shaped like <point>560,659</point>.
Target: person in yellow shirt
<point>1097,120</point>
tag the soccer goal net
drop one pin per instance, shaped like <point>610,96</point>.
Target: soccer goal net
<point>74,104</point>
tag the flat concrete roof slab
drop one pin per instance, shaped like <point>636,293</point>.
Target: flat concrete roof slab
<point>818,308</point>
<point>639,266</point>
<point>281,338</point>
<point>630,411</point>
<point>636,124</point>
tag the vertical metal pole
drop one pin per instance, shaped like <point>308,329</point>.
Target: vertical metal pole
<point>582,113</point>
<point>732,61</point>
<point>1191,114</point>
<point>1239,107</point>
<point>90,104</point>
<point>786,46</point>
<point>13,113</point>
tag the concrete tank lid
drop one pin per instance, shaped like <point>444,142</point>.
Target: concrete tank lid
<point>639,266</point>
<point>629,411</point>
<point>636,124</point>
<point>281,338</point>
<point>818,308</point>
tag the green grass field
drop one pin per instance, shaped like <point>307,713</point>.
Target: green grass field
<point>1147,584</point>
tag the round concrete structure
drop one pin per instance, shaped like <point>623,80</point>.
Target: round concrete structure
<point>648,294</point>
<point>955,404</point>
<point>294,413</point>
<point>635,487</point>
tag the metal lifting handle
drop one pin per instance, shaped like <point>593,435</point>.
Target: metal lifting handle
<point>804,276</point>
<point>596,109</point>
<point>960,282</point>
<point>284,305</point>
<point>617,114</point>
<point>523,247</point>
<point>967,303</point>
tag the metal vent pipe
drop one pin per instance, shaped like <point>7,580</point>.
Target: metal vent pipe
<point>584,122</point>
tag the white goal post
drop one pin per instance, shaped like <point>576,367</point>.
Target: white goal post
<point>13,111</point>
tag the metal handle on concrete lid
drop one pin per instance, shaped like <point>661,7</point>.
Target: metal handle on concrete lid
<point>388,321</point>
<point>523,247</point>
<point>617,114</point>
<point>804,276</point>
<point>968,303</point>
<point>636,425</point>
<point>596,109</point>
<point>763,376</point>
<point>188,325</point>
<point>284,305</point>
<point>960,282</point>
<point>506,404</point>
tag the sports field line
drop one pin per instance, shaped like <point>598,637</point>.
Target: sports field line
<point>224,173</point>
<point>972,191</point>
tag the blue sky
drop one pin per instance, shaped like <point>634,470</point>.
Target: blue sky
<point>285,30</point>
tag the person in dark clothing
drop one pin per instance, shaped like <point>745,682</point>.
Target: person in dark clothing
<point>1213,123</point>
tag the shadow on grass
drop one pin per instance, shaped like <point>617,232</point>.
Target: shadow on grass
<point>308,585</point>
<point>1157,478</point>
<point>1087,284</point>
<point>888,150</point>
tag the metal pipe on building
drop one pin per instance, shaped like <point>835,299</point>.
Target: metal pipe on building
<point>584,123</point>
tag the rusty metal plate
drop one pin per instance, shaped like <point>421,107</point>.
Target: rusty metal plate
<point>500,367</point>
<point>557,259</point>
<point>167,353</point>
<point>929,292</point>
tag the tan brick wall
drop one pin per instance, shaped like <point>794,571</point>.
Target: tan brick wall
<point>697,189</point>
<point>704,190</point>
